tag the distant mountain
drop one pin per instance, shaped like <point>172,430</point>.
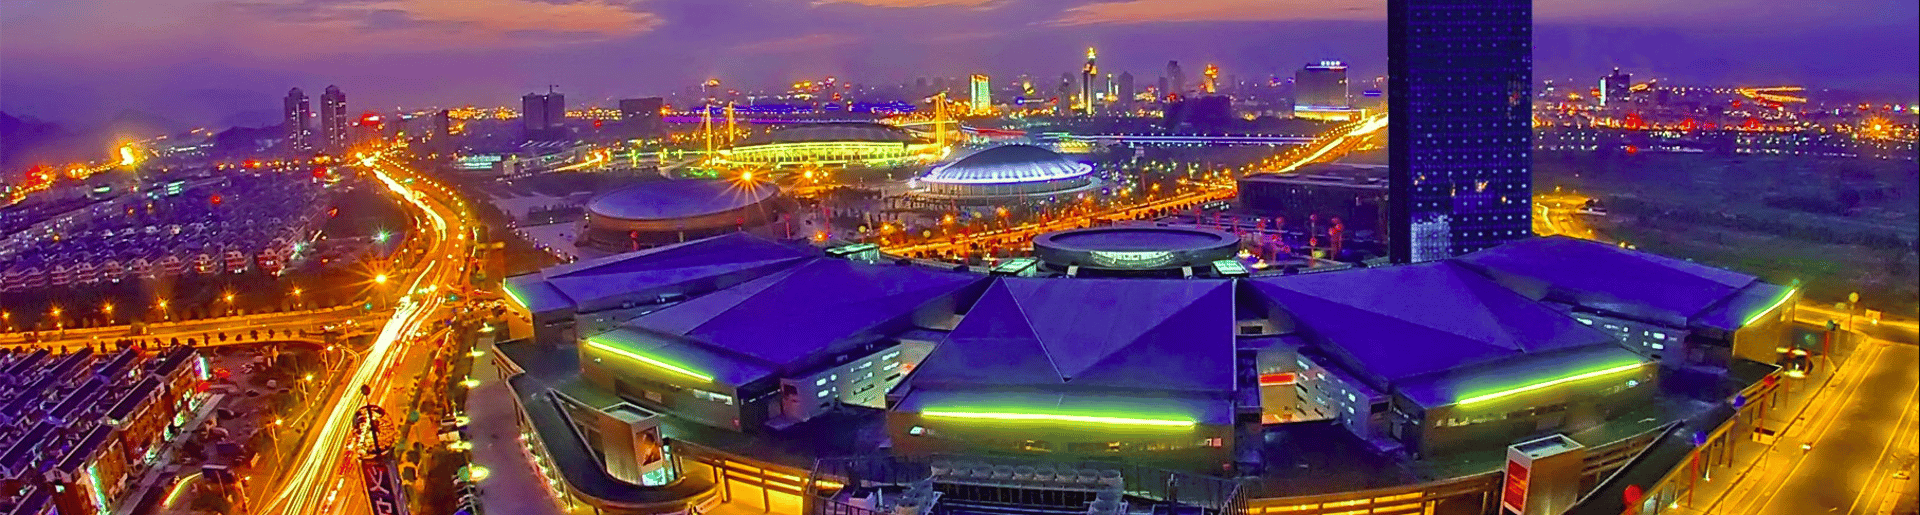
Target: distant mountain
<point>26,139</point>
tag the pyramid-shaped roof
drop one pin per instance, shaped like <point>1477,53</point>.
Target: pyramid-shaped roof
<point>1111,333</point>
<point>596,280</point>
<point>789,315</point>
<point>1405,321</point>
<point>1606,277</point>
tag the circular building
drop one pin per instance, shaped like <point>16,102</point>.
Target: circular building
<point>856,144</point>
<point>1135,248</point>
<point>1004,173</point>
<point>651,214</point>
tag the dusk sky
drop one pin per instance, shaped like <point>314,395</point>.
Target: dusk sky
<point>204,61</point>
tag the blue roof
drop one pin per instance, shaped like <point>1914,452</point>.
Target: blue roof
<point>1608,278</point>
<point>1405,321</point>
<point>824,303</point>
<point>1448,387</point>
<point>668,200</point>
<point>1750,302</point>
<point>586,282</point>
<point>1166,334</point>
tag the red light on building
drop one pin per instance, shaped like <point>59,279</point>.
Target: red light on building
<point>215,199</point>
<point>1280,379</point>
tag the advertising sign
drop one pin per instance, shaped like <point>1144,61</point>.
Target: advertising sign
<point>383,488</point>
<point>1513,498</point>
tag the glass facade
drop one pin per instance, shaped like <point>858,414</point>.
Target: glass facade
<point>1461,125</point>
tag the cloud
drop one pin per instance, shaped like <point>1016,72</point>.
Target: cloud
<point>423,25</point>
<point>899,4</point>
<point>803,43</point>
<point>1124,12</point>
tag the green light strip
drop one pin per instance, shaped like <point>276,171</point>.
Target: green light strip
<point>515,297</point>
<point>1127,421</point>
<point>650,361</point>
<point>1545,384</point>
<point>1770,307</point>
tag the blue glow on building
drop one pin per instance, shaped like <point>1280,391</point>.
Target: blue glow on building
<point>1461,125</point>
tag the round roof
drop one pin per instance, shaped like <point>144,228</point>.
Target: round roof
<point>1135,247</point>
<point>1007,164</point>
<point>832,132</point>
<point>667,200</point>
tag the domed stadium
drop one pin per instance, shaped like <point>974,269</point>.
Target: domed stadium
<point>1004,173</point>
<point>860,144</point>
<point>658,213</point>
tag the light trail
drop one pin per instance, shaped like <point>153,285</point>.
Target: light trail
<point>315,480</point>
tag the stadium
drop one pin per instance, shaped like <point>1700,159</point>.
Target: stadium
<point>842,144</point>
<point>1003,174</point>
<point>655,213</point>
<point>966,381</point>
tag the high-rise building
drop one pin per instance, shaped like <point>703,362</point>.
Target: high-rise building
<point>1320,91</point>
<point>1615,87</point>
<point>1161,93</point>
<point>1126,89</point>
<point>1210,83</point>
<point>334,123</point>
<point>543,115</point>
<point>1177,80</point>
<point>1460,72</point>
<point>641,116</point>
<point>980,95</point>
<point>1087,92</point>
<point>298,114</point>
<point>1065,105</point>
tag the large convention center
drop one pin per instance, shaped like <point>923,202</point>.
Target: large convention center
<point>841,144</point>
<point>654,213</point>
<point>1166,356</point>
<point>1005,173</point>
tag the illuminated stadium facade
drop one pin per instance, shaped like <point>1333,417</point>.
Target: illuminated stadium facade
<point>1006,173</point>
<point>650,214</point>
<point>740,339</point>
<point>833,144</point>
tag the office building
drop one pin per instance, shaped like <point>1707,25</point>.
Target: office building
<point>1125,90</point>
<point>1177,81</point>
<point>1088,95</point>
<point>1354,194</point>
<point>1460,72</point>
<point>642,117</point>
<point>980,95</point>
<point>334,124</point>
<point>1614,88</point>
<point>1320,92</point>
<point>299,126</point>
<point>544,116</point>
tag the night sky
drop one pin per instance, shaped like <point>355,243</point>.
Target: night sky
<point>207,61</point>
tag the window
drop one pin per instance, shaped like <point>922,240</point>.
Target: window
<point>821,382</point>
<point>822,393</point>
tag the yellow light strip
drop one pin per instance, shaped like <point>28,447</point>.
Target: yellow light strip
<point>1061,418</point>
<point>515,297</point>
<point>650,361</point>
<point>1545,384</point>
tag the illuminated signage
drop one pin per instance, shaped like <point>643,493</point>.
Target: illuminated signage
<point>1514,496</point>
<point>1130,260</point>
<point>383,495</point>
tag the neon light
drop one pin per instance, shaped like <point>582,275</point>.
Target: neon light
<point>515,297</point>
<point>1128,421</point>
<point>1280,379</point>
<point>1770,307</point>
<point>1545,384</point>
<point>650,361</point>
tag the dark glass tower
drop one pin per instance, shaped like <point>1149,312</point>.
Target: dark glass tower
<point>1461,125</point>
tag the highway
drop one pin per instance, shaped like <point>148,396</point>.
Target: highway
<point>1862,431</point>
<point>320,477</point>
<point>1325,148</point>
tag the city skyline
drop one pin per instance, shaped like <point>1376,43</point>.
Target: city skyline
<point>868,41</point>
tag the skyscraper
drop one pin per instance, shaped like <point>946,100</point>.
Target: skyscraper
<point>1087,92</point>
<point>299,129</point>
<point>1320,91</point>
<point>1210,83</point>
<point>1177,80</point>
<point>333,119</point>
<point>542,115</point>
<point>980,95</point>
<point>1126,90</point>
<point>1461,128</point>
<point>1615,87</point>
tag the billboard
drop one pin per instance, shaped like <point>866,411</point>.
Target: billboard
<point>383,488</point>
<point>1513,498</point>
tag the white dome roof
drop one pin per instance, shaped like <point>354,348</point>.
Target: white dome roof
<point>1007,164</point>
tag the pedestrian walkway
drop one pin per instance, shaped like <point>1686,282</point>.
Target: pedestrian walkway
<point>512,484</point>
